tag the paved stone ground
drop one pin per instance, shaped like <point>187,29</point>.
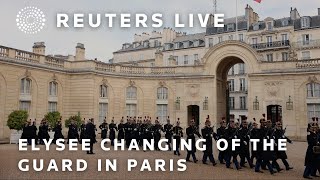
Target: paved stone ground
<point>9,157</point>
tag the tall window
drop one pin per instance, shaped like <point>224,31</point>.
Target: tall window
<point>254,41</point>
<point>162,110</point>
<point>52,106</point>
<point>269,57</point>
<point>210,42</point>
<point>305,39</point>
<point>25,105</point>
<point>231,71</point>
<point>285,56</point>
<point>243,102</point>
<point>103,91</point>
<point>53,88</point>
<point>196,57</point>
<point>231,102</point>
<point>313,90</point>
<point>25,86</point>
<point>185,59</point>
<point>241,68</point>
<point>269,41</point>
<point>284,37</point>
<point>269,26</point>
<point>240,37</point>
<point>162,93</point>
<point>231,85</point>
<point>131,109</point>
<point>103,110</point>
<point>313,111</point>
<point>131,92</point>
<point>242,84</point>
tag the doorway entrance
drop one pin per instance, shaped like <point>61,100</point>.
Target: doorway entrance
<point>193,112</point>
<point>274,113</point>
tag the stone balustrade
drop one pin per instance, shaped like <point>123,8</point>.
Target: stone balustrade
<point>307,44</point>
<point>54,62</point>
<point>311,63</point>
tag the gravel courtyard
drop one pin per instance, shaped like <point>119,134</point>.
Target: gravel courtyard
<point>10,157</point>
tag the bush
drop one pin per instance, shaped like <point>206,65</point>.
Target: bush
<point>76,119</point>
<point>52,118</point>
<point>17,119</point>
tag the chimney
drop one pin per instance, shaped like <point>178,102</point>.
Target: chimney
<point>294,14</point>
<point>39,48</point>
<point>80,52</point>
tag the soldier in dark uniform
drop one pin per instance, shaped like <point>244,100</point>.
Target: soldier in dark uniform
<point>232,133</point>
<point>168,132</point>
<point>244,144</point>
<point>90,134</point>
<point>157,128</point>
<point>191,131</point>
<point>104,128</point>
<point>310,158</point>
<point>149,130</point>
<point>142,132</point>
<point>135,130</point>
<point>27,132</point>
<point>220,135</point>
<point>43,132</point>
<point>58,131</point>
<point>113,128</point>
<point>73,131</point>
<point>121,130</point>
<point>207,134</point>
<point>280,134</point>
<point>254,135</point>
<point>34,131</point>
<point>128,130</point>
<point>177,135</point>
<point>82,130</point>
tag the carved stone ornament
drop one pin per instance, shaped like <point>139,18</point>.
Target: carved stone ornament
<point>132,83</point>
<point>27,73</point>
<point>312,79</point>
<point>293,55</point>
<point>162,83</point>
<point>273,88</point>
<point>104,81</point>
<point>193,90</point>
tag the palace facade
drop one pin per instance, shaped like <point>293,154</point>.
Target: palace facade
<point>277,73</point>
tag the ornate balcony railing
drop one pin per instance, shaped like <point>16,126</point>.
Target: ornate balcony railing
<point>4,51</point>
<point>271,45</point>
<point>163,70</point>
<point>132,70</point>
<point>105,67</point>
<point>307,44</point>
<point>27,56</point>
<point>54,62</point>
<point>311,63</point>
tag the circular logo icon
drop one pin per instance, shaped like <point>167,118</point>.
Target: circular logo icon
<point>30,20</point>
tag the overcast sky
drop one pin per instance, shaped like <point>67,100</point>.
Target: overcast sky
<point>101,42</point>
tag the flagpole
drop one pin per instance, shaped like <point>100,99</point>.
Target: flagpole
<point>236,19</point>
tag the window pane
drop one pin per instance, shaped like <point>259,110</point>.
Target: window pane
<point>103,110</point>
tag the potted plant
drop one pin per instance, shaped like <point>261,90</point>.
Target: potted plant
<point>16,121</point>
<point>76,119</point>
<point>52,119</point>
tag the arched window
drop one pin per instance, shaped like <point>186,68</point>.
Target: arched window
<point>162,93</point>
<point>25,86</point>
<point>131,92</point>
<point>103,91</point>
<point>53,88</point>
<point>313,90</point>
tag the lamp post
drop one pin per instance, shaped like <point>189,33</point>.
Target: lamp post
<point>289,104</point>
<point>178,103</point>
<point>256,104</point>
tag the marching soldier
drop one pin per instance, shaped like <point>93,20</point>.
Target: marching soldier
<point>73,131</point>
<point>311,156</point>
<point>135,130</point>
<point>231,133</point>
<point>121,129</point>
<point>220,135</point>
<point>113,128</point>
<point>244,134</point>
<point>254,135</point>
<point>34,131</point>
<point>90,133</point>
<point>168,132</point>
<point>104,128</point>
<point>82,130</point>
<point>128,130</point>
<point>157,128</point>
<point>280,134</point>
<point>191,131</point>
<point>207,134</point>
<point>43,132</point>
<point>177,135</point>
<point>58,131</point>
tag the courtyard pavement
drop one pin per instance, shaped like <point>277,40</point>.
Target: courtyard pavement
<point>10,156</point>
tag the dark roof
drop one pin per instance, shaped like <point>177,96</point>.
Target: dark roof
<point>242,25</point>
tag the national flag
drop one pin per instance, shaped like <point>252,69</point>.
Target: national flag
<point>259,1</point>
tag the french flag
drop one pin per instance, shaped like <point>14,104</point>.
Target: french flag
<point>259,1</point>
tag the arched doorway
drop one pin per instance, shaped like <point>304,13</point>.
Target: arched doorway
<point>194,112</point>
<point>219,59</point>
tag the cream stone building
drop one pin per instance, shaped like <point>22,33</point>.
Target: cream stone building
<point>282,72</point>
